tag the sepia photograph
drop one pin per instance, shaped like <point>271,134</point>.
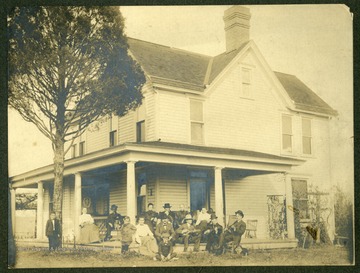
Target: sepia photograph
<point>177,136</point>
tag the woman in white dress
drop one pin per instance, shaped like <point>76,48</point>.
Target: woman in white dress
<point>89,232</point>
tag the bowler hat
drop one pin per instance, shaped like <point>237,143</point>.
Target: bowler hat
<point>188,217</point>
<point>240,213</point>
<point>213,216</point>
<point>114,207</point>
<point>167,205</point>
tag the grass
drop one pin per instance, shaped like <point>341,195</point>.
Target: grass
<point>102,257</point>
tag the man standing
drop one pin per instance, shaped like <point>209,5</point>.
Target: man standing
<point>113,219</point>
<point>189,233</point>
<point>234,232</point>
<point>53,231</point>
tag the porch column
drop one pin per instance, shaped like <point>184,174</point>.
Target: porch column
<point>77,206</point>
<point>131,191</point>
<point>219,201</point>
<point>13,209</point>
<point>289,208</point>
<point>40,211</point>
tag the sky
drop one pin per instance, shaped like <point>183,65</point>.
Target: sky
<point>313,42</point>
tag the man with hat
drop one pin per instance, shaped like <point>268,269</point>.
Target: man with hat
<point>168,213</point>
<point>189,232</point>
<point>164,227</point>
<point>112,220</point>
<point>234,232</point>
<point>213,233</point>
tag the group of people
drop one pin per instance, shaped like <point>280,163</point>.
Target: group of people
<point>157,233</point>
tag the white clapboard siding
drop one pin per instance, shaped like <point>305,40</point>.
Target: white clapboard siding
<point>150,121</point>
<point>212,195</point>
<point>67,209</point>
<point>249,194</point>
<point>173,187</point>
<point>237,122</point>
<point>97,135</point>
<point>174,117</point>
<point>118,191</point>
<point>127,128</point>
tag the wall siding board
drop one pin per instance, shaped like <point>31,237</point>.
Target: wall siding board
<point>249,194</point>
<point>118,194</point>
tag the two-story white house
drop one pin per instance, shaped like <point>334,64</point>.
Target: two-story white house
<point>223,132</point>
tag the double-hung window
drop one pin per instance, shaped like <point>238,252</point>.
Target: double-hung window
<point>73,150</point>
<point>287,135</point>
<point>140,131</point>
<point>81,148</point>
<point>300,197</point>
<point>113,138</point>
<point>197,122</point>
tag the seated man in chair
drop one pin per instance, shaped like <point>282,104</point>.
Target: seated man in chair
<point>234,232</point>
<point>189,233</point>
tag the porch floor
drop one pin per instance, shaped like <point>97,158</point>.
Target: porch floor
<point>250,243</point>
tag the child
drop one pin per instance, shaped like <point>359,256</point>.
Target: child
<point>127,232</point>
<point>53,231</point>
<point>165,249</point>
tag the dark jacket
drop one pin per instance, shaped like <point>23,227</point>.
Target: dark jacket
<point>214,229</point>
<point>49,229</point>
<point>238,228</point>
<point>127,232</point>
<point>161,229</point>
<point>113,217</point>
<point>171,215</point>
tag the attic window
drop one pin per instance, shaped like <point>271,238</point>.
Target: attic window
<point>246,83</point>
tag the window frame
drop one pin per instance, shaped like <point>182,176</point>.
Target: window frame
<point>113,138</point>
<point>291,135</point>
<point>81,148</point>
<point>194,121</point>
<point>140,131</point>
<point>300,199</point>
<point>73,150</point>
<point>310,137</point>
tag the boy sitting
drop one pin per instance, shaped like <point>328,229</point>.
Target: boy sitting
<point>165,248</point>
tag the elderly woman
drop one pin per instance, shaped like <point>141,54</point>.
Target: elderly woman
<point>89,232</point>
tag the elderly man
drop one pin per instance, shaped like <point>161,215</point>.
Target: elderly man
<point>234,232</point>
<point>168,213</point>
<point>189,232</point>
<point>113,221</point>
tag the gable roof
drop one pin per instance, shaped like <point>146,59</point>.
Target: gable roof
<point>179,68</point>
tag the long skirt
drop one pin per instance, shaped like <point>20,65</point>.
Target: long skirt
<point>148,246</point>
<point>89,234</point>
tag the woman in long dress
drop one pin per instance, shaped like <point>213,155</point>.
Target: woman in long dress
<point>89,232</point>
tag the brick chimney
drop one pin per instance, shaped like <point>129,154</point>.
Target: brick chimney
<point>237,27</point>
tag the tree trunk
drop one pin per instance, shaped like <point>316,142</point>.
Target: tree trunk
<point>58,176</point>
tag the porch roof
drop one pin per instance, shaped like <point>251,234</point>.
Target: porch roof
<point>163,153</point>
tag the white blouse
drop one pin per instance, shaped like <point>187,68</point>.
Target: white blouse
<point>85,219</point>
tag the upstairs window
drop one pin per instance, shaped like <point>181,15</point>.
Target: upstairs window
<point>197,122</point>
<point>81,148</point>
<point>287,134</point>
<point>73,151</point>
<point>246,83</point>
<point>140,131</point>
<point>306,136</point>
<point>113,138</point>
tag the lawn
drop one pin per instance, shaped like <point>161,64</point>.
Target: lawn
<point>100,257</point>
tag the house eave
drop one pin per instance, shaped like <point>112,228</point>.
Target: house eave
<point>165,154</point>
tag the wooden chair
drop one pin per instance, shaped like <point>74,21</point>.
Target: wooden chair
<point>251,227</point>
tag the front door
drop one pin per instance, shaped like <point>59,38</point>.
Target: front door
<point>199,190</point>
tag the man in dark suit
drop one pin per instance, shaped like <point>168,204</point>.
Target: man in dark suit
<point>212,234</point>
<point>234,232</point>
<point>164,227</point>
<point>113,219</point>
<point>167,213</point>
<point>53,231</point>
